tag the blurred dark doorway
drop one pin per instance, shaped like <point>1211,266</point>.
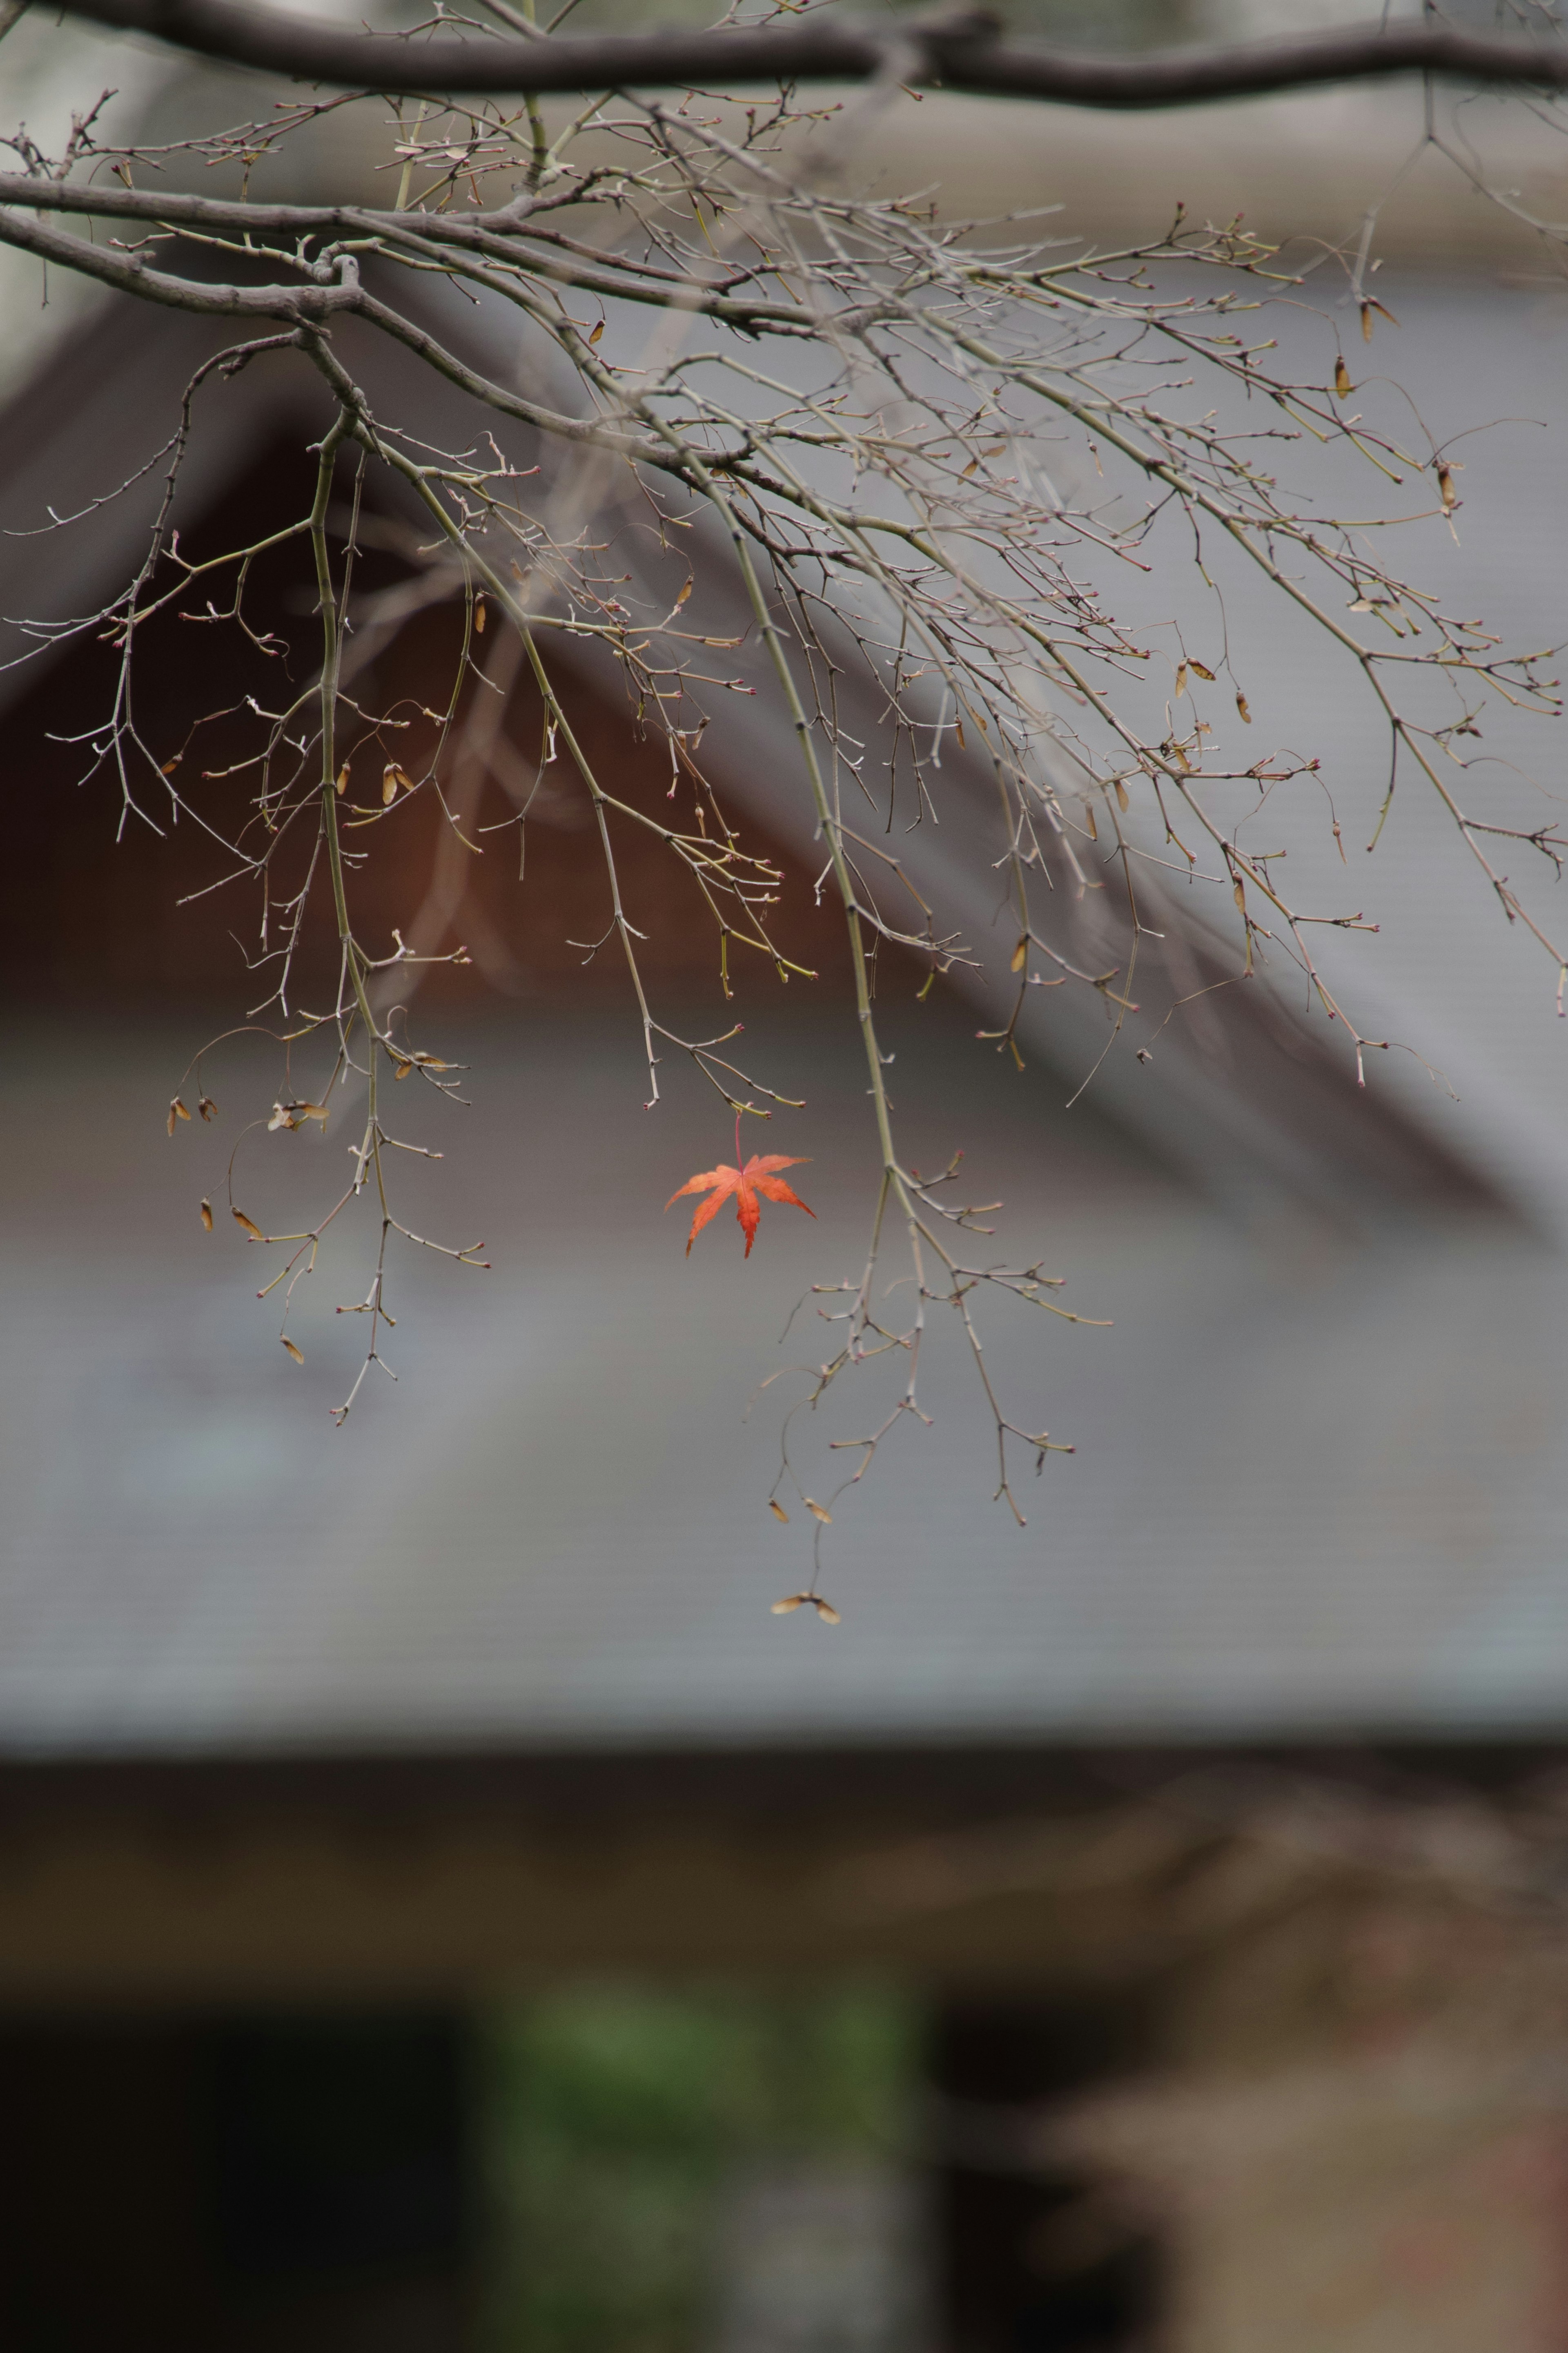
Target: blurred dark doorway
<point>247,2185</point>
<point>1034,2260</point>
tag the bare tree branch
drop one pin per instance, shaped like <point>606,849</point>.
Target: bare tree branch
<point>961,51</point>
<point>832,454</point>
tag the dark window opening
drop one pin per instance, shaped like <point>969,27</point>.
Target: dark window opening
<point>261,2185</point>
<point>1034,2260</point>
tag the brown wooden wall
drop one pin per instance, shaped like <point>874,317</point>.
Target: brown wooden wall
<point>90,898</point>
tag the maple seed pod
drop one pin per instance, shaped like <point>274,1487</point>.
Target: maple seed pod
<point>1121,794</point>
<point>824,1610</point>
<point>1241,706</point>
<point>1201,670</point>
<point>389,784</point>
<point>1093,828</point>
<point>342,779</point>
<point>778,1511</point>
<point>297,1353</point>
<point>1021,953</point>
<point>252,1228</point>
<point>1180,686</point>
<point>1445,485</point>
<point>818,1513</point>
<point>176,1110</point>
<point>1342,384</point>
<point>206,1107</point>
<point>207,1214</point>
<point>479,616</point>
<point>1239,895</point>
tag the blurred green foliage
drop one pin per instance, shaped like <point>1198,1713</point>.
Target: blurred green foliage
<point>616,2117</point>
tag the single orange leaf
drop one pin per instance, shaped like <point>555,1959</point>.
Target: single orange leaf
<point>757,1177</point>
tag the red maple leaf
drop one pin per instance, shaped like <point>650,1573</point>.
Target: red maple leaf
<point>745,1184</point>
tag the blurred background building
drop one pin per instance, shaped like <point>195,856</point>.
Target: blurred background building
<point>439,1907</point>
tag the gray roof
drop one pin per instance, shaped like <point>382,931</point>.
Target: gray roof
<point>1321,1476</point>
<point>1320,1483</point>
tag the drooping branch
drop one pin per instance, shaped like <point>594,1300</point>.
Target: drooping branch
<point>912,449</point>
<point>963,51</point>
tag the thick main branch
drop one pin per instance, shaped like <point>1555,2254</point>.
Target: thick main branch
<point>963,52</point>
